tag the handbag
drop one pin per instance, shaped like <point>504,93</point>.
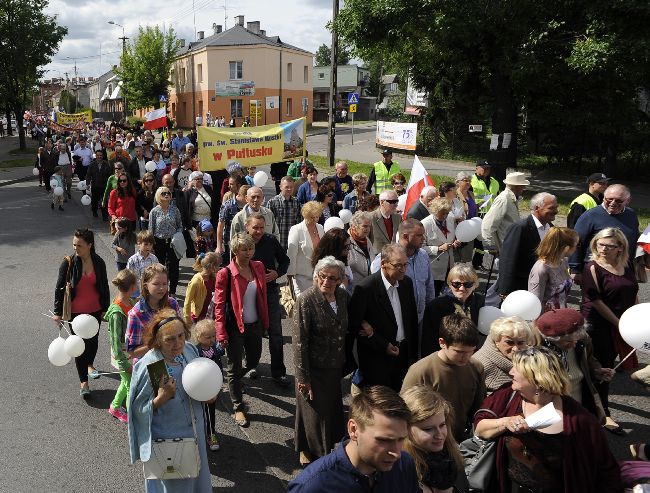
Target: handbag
<point>174,458</point>
<point>66,312</point>
<point>480,456</point>
<point>288,298</point>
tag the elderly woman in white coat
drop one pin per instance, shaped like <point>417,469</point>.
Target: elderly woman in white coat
<point>440,232</point>
<point>301,243</point>
<point>361,252</point>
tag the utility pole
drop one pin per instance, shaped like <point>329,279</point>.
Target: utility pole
<point>75,84</point>
<point>331,120</point>
<point>123,38</point>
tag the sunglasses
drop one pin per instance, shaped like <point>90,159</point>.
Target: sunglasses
<point>398,183</point>
<point>165,194</point>
<point>122,181</point>
<point>148,180</point>
<point>330,195</point>
<point>458,284</point>
<point>391,201</point>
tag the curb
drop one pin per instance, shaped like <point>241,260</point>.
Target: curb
<point>15,180</point>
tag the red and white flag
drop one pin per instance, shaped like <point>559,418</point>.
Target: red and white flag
<point>156,119</point>
<point>418,180</point>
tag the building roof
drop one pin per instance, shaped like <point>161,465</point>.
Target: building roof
<point>388,78</point>
<point>237,36</point>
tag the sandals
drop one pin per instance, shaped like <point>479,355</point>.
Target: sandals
<point>614,428</point>
<point>241,419</point>
<point>637,450</point>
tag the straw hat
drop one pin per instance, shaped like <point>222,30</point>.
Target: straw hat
<point>517,178</point>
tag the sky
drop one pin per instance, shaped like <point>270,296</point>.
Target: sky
<point>300,23</point>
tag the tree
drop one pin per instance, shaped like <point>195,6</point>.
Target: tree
<point>68,101</point>
<point>28,39</point>
<point>145,66</point>
<point>324,54</point>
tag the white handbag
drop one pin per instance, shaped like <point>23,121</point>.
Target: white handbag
<point>174,458</point>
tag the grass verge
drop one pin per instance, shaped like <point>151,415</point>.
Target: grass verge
<point>16,163</point>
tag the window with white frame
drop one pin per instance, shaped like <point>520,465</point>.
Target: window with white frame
<point>236,70</point>
<point>289,106</point>
<point>236,108</point>
<point>289,72</point>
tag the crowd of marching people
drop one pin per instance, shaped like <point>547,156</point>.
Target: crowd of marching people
<point>385,294</point>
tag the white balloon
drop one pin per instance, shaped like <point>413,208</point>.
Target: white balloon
<point>56,352</point>
<point>634,328</point>
<point>74,346</point>
<point>202,379</point>
<point>345,215</point>
<point>53,182</point>
<point>478,221</point>
<point>467,231</point>
<point>150,166</point>
<point>35,172</point>
<point>81,186</point>
<point>523,304</point>
<point>85,200</point>
<point>58,191</point>
<point>85,326</point>
<point>486,316</point>
<point>401,202</point>
<point>260,178</point>
<point>333,222</point>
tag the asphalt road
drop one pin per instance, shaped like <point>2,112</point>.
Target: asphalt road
<point>52,440</point>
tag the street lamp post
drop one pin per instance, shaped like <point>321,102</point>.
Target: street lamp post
<point>123,38</point>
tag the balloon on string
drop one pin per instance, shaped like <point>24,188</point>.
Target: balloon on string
<point>53,182</point>
<point>202,379</point>
<point>487,315</point>
<point>85,199</point>
<point>74,346</point>
<point>85,326</point>
<point>150,166</point>
<point>333,222</point>
<point>35,172</point>
<point>345,215</point>
<point>81,186</point>
<point>634,328</point>
<point>467,231</point>
<point>523,304</point>
<point>260,178</point>
<point>401,202</point>
<point>478,221</point>
<point>56,352</point>
<point>58,191</point>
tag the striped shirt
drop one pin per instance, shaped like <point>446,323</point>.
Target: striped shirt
<point>287,214</point>
<point>139,316</point>
<point>137,263</point>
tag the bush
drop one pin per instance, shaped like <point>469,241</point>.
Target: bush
<point>132,120</point>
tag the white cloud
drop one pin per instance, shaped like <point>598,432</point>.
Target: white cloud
<point>300,23</point>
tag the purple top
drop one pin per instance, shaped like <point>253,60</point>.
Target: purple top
<point>617,292</point>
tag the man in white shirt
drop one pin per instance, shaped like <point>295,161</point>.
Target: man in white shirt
<point>86,155</point>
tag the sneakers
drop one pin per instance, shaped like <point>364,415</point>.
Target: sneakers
<point>241,419</point>
<point>253,374</point>
<point>119,413</point>
<point>213,443</point>
<point>84,392</point>
<point>282,381</point>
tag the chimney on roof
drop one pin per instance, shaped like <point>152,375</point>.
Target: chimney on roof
<point>216,28</point>
<point>239,19</point>
<point>253,26</point>
<point>182,43</point>
<point>200,35</point>
<point>263,32</point>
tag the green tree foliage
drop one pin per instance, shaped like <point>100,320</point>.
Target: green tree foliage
<point>145,66</point>
<point>566,73</point>
<point>28,39</point>
<point>324,53</point>
<point>68,102</point>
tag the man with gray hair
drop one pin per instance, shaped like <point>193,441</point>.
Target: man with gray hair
<point>612,213</point>
<point>420,209</point>
<point>254,200</point>
<point>385,220</point>
<point>517,255</point>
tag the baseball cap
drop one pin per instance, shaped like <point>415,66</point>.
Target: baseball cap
<point>483,163</point>
<point>597,178</point>
<point>386,151</point>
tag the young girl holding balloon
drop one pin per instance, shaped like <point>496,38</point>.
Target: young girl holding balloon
<point>203,335</point>
<point>116,316</point>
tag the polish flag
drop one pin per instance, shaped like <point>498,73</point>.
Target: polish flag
<point>418,180</point>
<point>156,119</point>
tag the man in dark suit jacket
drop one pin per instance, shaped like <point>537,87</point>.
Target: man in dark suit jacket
<point>385,321</point>
<point>517,255</point>
<point>384,220</point>
<point>420,209</point>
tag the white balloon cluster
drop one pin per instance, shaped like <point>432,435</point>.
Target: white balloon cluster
<point>62,350</point>
<point>81,186</point>
<point>469,229</point>
<point>333,222</point>
<point>202,379</point>
<point>523,304</point>
<point>58,191</point>
<point>85,199</point>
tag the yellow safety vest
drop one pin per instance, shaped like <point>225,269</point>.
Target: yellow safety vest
<point>585,200</point>
<point>480,190</point>
<point>383,176</point>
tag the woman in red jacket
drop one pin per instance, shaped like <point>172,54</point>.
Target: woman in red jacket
<point>570,455</point>
<point>241,315</point>
<point>121,202</point>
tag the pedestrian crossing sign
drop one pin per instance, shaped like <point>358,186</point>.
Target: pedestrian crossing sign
<point>353,98</point>
<point>353,108</point>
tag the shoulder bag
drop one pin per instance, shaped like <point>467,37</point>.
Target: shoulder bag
<point>66,312</point>
<point>480,456</point>
<point>174,458</point>
<point>288,298</point>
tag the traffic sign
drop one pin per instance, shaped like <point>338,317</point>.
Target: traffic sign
<point>353,98</point>
<point>476,128</point>
<point>353,108</point>
<point>162,98</point>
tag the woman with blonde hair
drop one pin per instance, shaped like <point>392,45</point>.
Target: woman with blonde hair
<point>549,278</point>
<point>438,462</point>
<point>302,241</point>
<point>568,456</point>
<point>440,232</point>
<point>165,221</point>
<point>609,287</point>
<point>507,336</point>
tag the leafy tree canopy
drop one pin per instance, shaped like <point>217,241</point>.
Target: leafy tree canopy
<point>324,53</point>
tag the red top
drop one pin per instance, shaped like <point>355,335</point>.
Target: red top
<point>389,226</point>
<point>122,206</point>
<point>86,299</point>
